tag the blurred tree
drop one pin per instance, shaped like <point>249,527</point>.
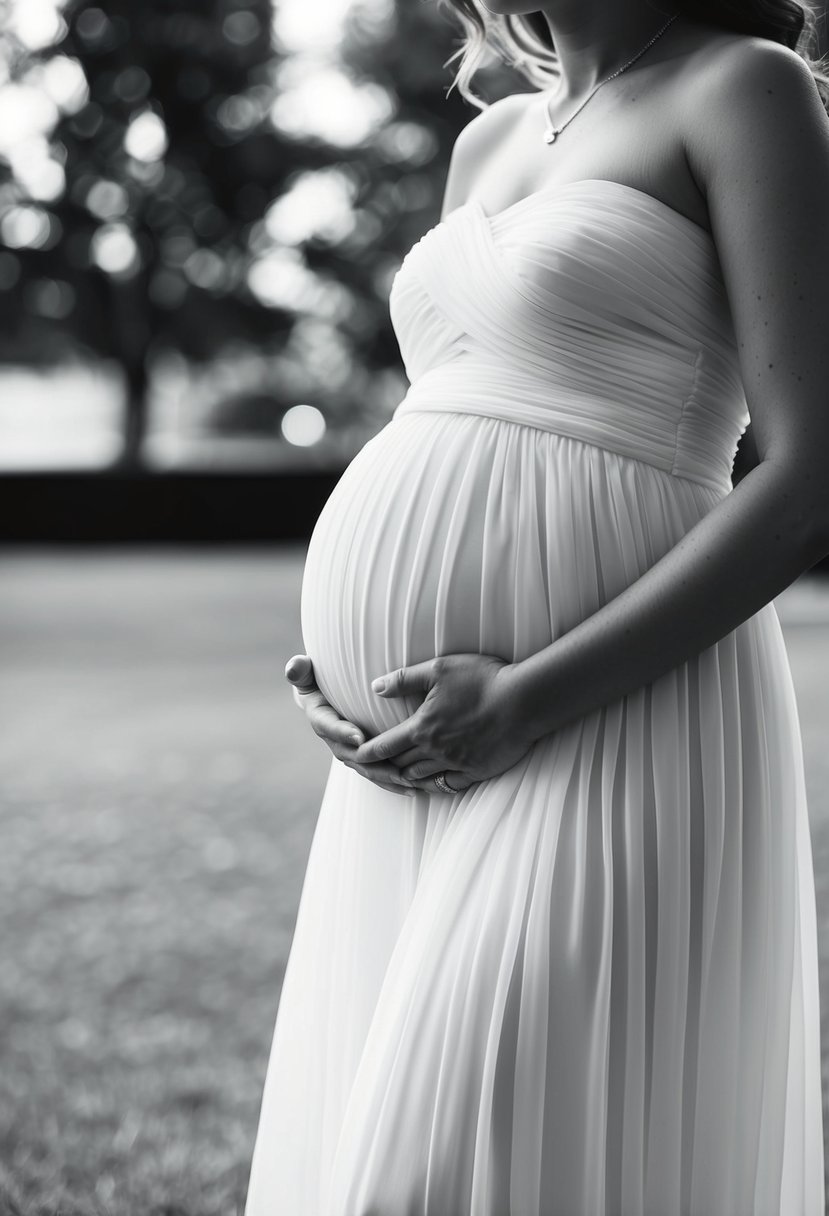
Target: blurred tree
<point>147,224</point>
<point>168,158</point>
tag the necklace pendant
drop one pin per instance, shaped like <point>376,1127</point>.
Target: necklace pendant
<point>550,136</point>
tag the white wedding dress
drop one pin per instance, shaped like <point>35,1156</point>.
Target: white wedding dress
<point>587,986</point>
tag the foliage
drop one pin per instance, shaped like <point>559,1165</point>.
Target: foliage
<point>169,224</point>
<point>172,157</point>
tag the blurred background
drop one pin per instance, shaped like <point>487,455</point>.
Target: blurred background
<point>202,206</point>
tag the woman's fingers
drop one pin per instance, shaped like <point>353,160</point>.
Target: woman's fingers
<point>300,671</point>
<point>341,736</point>
<point>324,719</point>
<point>384,775</point>
<point>327,723</point>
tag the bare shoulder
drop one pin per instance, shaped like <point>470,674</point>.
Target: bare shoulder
<point>752,106</point>
<point>731,61</point>
<point>476,141</point>
<point>756,138</point>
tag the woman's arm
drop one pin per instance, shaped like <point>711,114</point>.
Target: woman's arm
<point>745,551</point>
<point>758,144</point>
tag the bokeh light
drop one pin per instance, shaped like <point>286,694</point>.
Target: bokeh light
<point>327,103</point>
<point>301,27</point>
<point>303,425</point>
<point>107,200</point>
<point>317,204</point>
<point>35,169</point>
<point>146,137</point>
<point>25,228</point>
<point>114,249</point>
<point>26,112</point>
<point>62,78</point>
<point>37,23</point>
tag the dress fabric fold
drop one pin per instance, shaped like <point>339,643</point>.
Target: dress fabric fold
<point>589,985</point>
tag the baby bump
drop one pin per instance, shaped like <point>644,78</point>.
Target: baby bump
<point>430,544</point>
<point>454,532</point>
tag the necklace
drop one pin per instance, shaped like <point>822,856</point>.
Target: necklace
<point>551,132</point>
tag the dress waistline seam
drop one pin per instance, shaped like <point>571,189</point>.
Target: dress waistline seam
<point>707,483</point>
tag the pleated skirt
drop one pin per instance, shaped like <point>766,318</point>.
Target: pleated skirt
<point>589,985</point>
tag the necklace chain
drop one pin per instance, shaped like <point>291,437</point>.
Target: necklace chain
<point>551,132</point>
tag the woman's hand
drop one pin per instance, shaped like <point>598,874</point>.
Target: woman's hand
<point>341,736</point>
<point>469,726</point>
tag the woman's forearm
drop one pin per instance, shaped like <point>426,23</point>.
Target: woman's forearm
<point>743,553</point>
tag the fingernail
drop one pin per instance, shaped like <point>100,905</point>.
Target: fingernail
<point>378,685</point>
<point>356,740</point>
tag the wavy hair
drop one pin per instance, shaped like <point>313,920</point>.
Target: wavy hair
<point>524,41</point>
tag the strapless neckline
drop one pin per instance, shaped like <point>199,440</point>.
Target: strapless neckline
<point>592,309</point>
<point>555,190</point>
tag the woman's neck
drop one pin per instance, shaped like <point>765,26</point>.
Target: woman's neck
<point>595,37</point>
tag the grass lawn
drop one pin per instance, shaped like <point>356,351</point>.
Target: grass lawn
<point>159,794</point>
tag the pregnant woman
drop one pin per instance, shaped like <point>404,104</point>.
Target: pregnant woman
<point>556,948</point>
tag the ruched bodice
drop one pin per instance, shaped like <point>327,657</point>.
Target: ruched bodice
<point>593,310</point>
